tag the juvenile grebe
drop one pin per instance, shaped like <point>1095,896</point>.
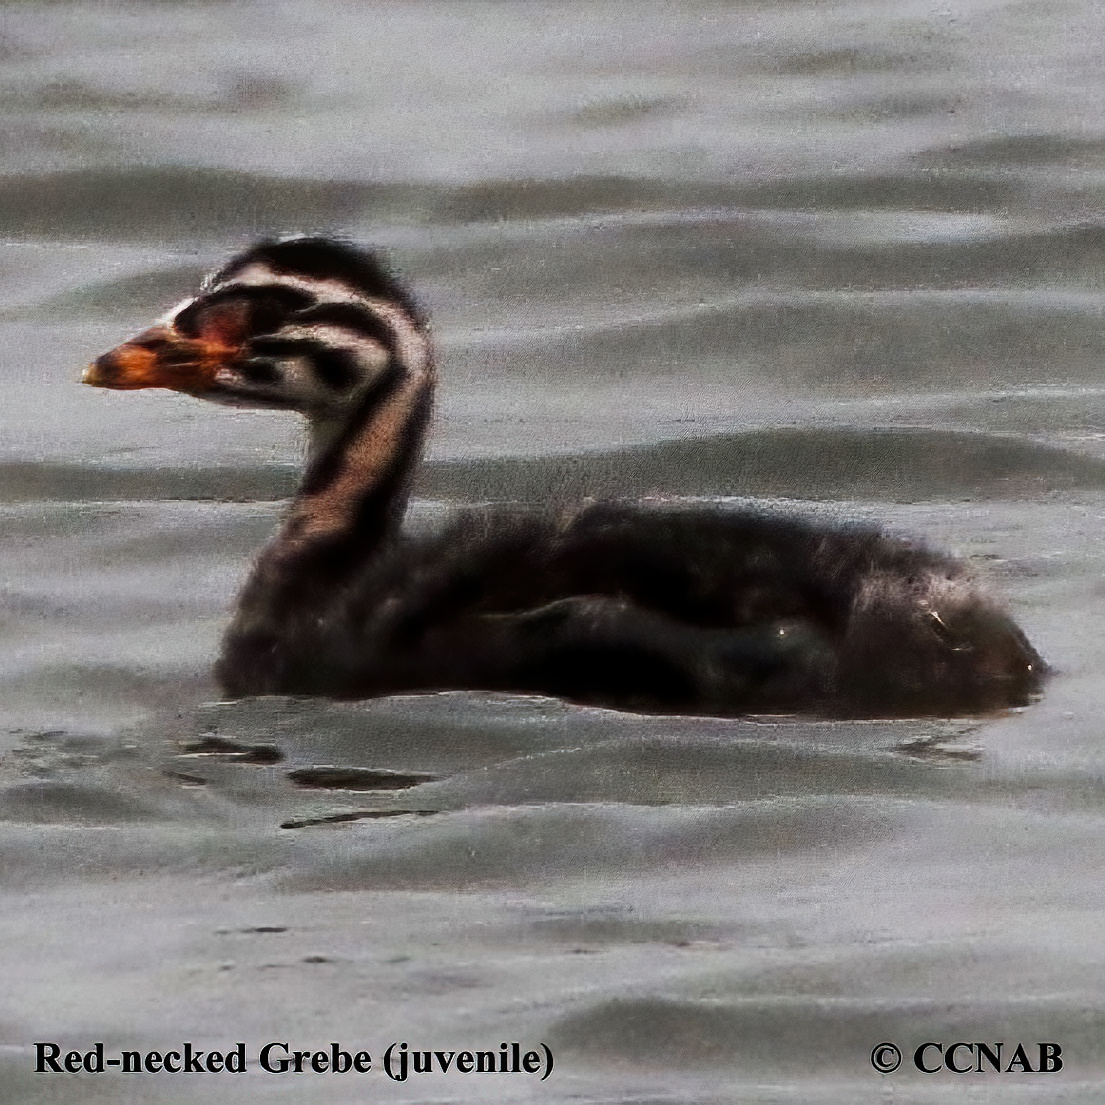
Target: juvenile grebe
<point>699,610</point>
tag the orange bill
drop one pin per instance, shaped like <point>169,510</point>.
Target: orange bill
<point>161,358</point>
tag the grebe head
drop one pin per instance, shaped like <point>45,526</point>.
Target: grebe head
<point>306,324</point>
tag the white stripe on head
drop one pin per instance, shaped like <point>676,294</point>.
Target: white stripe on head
<point>368,352</point>
<point>411,344</point>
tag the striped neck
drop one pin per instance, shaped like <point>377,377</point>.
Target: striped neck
<point>360,466</point>
<point>326,330</point>
<point>348,508</point>
<point>342,342</point>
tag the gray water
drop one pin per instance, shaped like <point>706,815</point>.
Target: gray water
<point>842,257</point>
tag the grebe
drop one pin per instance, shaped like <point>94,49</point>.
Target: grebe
<point>662,609</point>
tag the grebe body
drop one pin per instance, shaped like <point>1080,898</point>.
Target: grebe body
<point>656,608</point>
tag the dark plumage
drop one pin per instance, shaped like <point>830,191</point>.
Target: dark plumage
<point>702,610</point>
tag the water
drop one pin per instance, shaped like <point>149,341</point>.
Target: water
<point>842,256</point>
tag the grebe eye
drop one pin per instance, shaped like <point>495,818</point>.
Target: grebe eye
<point>258,370</point>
